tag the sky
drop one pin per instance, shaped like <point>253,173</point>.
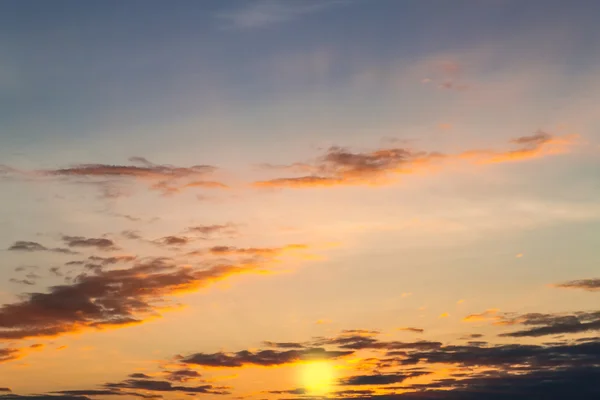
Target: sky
<point>299,199</point>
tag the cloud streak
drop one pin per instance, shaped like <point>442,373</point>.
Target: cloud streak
<point>342,167</point>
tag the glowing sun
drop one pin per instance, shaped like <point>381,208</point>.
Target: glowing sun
<point>317,377</point>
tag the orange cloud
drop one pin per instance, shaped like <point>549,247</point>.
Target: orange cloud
<point>487,315</point>
<point>340,166</point>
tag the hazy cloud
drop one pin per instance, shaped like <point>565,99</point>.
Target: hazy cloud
<point>263,13</point>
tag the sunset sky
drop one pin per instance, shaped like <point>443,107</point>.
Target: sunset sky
<point>300,199</point>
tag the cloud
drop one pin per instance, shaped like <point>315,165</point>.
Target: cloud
<point>42,397</point>
<point>9,354</point>
<point>552,324</point>
<point>165,386</point>
<point>172,241</point>
<point>591,285</point>
<point>105,299</point>
<point>207,232</point>
<point>473,371</point>
<point>255,251</point>
<point>5,389</point>
<point>284,345</point>
<point>22,281</point>
<point>31,247</point>
<point>139,375</point>
<point>97,243</point>
<point>112,180</point>
<point>413,330</point>
<point>183,375</point>
<point>263,13</point>
<point>260,357</point>
<point>379,379</point>
<point>340,166</point>
<point>484,316</point>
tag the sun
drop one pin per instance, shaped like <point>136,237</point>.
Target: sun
<point>317,377</point>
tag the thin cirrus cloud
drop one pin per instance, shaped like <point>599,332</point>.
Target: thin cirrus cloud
<point>167,179</point>
<point>342,167</point>
<point>264,13</point>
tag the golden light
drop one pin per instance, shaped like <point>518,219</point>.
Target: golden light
<point>317,377</point>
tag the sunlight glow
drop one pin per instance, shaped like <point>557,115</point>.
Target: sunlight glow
<point>317,377</point>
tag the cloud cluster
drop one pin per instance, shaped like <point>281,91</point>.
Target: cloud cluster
<point>552,324</point>
<point>340,166</point>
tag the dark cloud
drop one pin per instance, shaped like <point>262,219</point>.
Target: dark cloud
<point>553,324</point>
<point>165,386</point>
<point>97,243</point>
<point>27,246</point>
<point>105,298</point>
<point>284,345</point>
<point>165,178</point>
<point>22,245</point>
<point>379,379</point>
<point>183,375</point>
<point>340,166</point>
<point>260,357</point>
<point>5,389</point>
<point>107,392</point>
<point>9,354</point>
<point>42,397</point>
<point>139,375</point>
<point>585,284</point>
<point>172,241</point>
<point>299,391</point>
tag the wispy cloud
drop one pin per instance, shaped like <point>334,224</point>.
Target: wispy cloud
<point>340,166</point>
<point>262,13</point>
